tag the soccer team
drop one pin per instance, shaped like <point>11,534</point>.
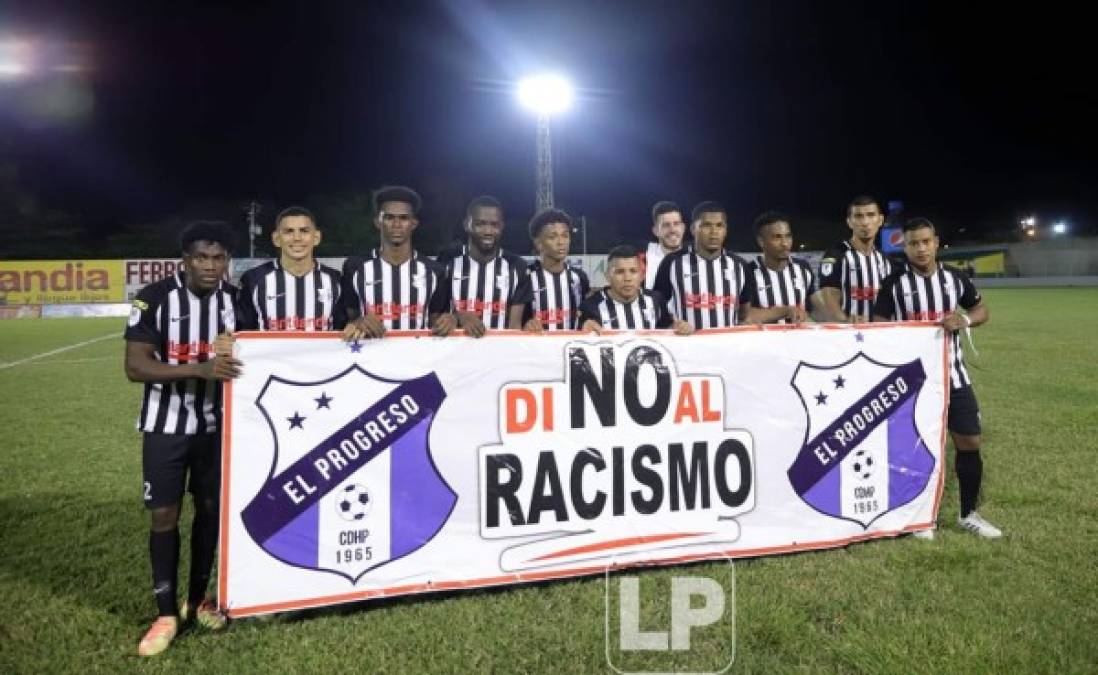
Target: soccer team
<point>179,333</point>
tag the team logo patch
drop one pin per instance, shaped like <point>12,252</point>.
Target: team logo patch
<point>351,457</point>
<point>862,455</point>
<point>141,305</point>
<point>827,266</point>
<point>135,317</point>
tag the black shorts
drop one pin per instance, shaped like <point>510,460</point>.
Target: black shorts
<point>964,412</point>
<point>166,460</point>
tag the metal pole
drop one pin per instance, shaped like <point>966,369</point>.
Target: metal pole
<point>544,164</point>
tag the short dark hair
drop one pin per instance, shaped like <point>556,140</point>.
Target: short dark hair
<point>485,201</point>
<point>213,231</point>
<point>769,218</point>
<point>918,224</point>
<point>397,193</point>
<point>707,207</point>
<point>863,200</point>
<point>623,251</point>
<point>292,212</point>
<point>660,208</point>
<point>546,217</point>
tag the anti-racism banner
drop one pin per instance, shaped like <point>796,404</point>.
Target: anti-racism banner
<point>414,464</point>
<point>58,282</point>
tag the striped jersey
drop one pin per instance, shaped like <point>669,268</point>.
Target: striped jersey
<point>552,298</point>
<point>486,289</point>
<point>857,275</point>
<point>182,326</point>
<point>794,284</point>
<point>909,296</point>
<point>705,293</point>
<point>271,298</point>
<point>648,310</point>
<point>651,257</point>
<point>403,296</point>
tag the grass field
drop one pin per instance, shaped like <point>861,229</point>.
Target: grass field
<point>75,589</point>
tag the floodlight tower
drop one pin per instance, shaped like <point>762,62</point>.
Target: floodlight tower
<point>545,95</point>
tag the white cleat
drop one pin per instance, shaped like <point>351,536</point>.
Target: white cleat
<point>976,524</point>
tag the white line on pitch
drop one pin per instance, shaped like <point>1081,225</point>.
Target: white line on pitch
<point>59,350</point>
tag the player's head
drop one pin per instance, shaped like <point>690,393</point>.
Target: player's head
<point>774,235</point>
<point>551,232</point>
<point>295,234</point>
<point>667,225</point>
<point>921,243</point>
<point>623,271</point>
<point>709,225</point>
<point>484,223</point>
<point>864,217</point>
<point>397,209</point>
<point>207,247</point>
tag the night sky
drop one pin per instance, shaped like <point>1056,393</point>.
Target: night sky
<point>971,114</point>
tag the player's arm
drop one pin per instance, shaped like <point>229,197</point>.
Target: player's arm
<point>831,294</point>
<point>589,321</point>
<point>143,366</point>
<point>247,314</point>
<point>976,311</point>
<point>754,314</point>
<point>662,283</point>
<point>884,307</point>
<point>439,318</point>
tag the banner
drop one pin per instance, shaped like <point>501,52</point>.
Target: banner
<point>57,282</point>
<point>141,272</point>
<point>413,464</point>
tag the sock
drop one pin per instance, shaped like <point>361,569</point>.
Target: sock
<point>970,472</point>
<point>164,555</point>
<point>203,548</point>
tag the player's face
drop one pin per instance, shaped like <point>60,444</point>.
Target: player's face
<point>297,237</point>
<point>921,247</point>
<point>776,240</point>
<point>669,230</point>
<point>625,277</point>
<point>710,230</point>
<point>864,221</point>
<point>485,225</point>
<point>396,222</point>
<point>553,241</point>
<point>205,265</point>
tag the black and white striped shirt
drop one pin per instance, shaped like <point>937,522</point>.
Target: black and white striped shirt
<point>271,298</point>
<point>705,293</point>
<point>909,296</point>
<point>402,296</point>
<point>182,326</point>
<point>793,285</point>
<point>857,275</point>
<point>552,298</point>
<point>485,289</point>
<point>646,311</point>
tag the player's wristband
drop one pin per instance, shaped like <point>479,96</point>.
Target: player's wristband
<point>968,320</point>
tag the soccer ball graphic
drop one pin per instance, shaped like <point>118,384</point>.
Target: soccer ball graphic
<point>353,502</point>
<point>862,464</point>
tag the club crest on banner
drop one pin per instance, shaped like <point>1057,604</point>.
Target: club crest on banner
<point>352,484</point>
<point>862,455</point>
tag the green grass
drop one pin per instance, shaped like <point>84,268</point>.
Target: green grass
<point>76,594</point>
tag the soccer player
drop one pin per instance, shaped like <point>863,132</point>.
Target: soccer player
<point>482,277</point>
<point>548,297</point>
<point>294,292</point>
<point>669,229</point>
<point>707,287</point>
<point>930,291</point>
<point>625,304</point>
<point>170,339</point>
<point>852,272</point>
<point>393,287</point>
<point>785,287</point>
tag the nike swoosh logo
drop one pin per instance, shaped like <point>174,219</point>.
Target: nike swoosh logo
<point>180,318</point>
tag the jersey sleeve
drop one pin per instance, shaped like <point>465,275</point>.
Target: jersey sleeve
<point>884,305</point>
<point>748,291</point>
<point>663,317</point>
<point>810,285</point>
<point>440,298</point>
<point>522,280</point>
<point>351,304</point>
<point>970,297</point>
<point>142,325</point>
<point>831,269</point>
<point>247,314</point>
<point>339,312</point>
<point>585,283</point>
<point>662,284</point>
<point>589,309</point>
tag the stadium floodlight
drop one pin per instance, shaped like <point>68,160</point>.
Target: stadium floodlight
<point>1060,228</point>
<point>545,95</point>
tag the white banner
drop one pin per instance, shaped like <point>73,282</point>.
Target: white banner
<point>413,464</point>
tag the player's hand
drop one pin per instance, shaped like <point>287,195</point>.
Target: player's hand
<point>797,314</point>
<point>444,325</point>
<point>858,318</point>
<point>954,322</point>
<point>591,326</point>
<point>223,344</point>
<point>366,326</point>
<point>534,326</point>
<point>681,327</point>
<point>220,368</point>
<point>472,324</point>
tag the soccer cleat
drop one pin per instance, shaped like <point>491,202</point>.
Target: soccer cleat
<point>925,535</point>
<point>207,615</point>
<point>160,635</point>
<point>976,524</point>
